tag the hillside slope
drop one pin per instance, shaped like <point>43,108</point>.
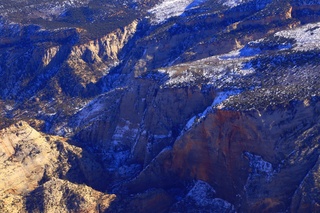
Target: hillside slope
<point>170,106</point>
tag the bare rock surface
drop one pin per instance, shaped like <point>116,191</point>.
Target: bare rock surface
<point>32,162</point>
<point>170,106</point>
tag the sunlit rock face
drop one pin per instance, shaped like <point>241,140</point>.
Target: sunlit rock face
<point>36,170</point>
<point>164,106</point>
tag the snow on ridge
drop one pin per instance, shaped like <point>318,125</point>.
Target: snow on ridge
<point>217,103</point>
<point>231,3</point>
<point>171,8</point>
<point>195,3</point>
<point>307,37</point>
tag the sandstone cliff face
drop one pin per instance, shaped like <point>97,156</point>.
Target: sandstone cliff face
<point>53,72</point>
<point>92,60</point>
<point>43,57</point>
<point>245,154</point>
<point>31,162</point>
<point>134,124</point>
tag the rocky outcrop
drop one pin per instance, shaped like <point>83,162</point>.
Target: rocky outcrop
<point>132,125</point>
<point>30,159</point>
<point>24,147</point>
<point>201,198</point>
<point>46,56</point>
<point>182,115</point>
<point>62,196</point>
<point>93,59</point>
<point>244,154</point>
<point>57,195</point>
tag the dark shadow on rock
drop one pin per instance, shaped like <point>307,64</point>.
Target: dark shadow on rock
<point>86,169</point>
<point>35,201</point>
<point>116,75</point>
<point>41,81</point>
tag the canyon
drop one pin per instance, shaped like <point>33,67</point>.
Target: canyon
<point>170,106</point>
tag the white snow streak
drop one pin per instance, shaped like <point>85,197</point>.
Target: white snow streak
<point>231,3</point>
<point>171,8</point>
<point>217,103</point>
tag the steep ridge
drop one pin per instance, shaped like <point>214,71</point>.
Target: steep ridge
<point>56,70</point>
<point>45,52</point>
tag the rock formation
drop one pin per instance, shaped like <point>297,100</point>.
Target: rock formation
<point>36,170</point>
<point>196,106</point>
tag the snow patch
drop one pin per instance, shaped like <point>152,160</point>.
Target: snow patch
<point>171,8</point>
<point>190,123</point>
<point>203,197</point>
<point>195,3</point>
<point>217,103</point>
<point>259,167</point>
<point>307,37</point>
<point>116,159</point>
<point>202,193</point>
<point>223,71</point>
<point>231,3</point>
<point>163,136</point>
<point>9,107</point>
<point>222,96</point>
<point>90,111</point>
<point>123,132</point>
